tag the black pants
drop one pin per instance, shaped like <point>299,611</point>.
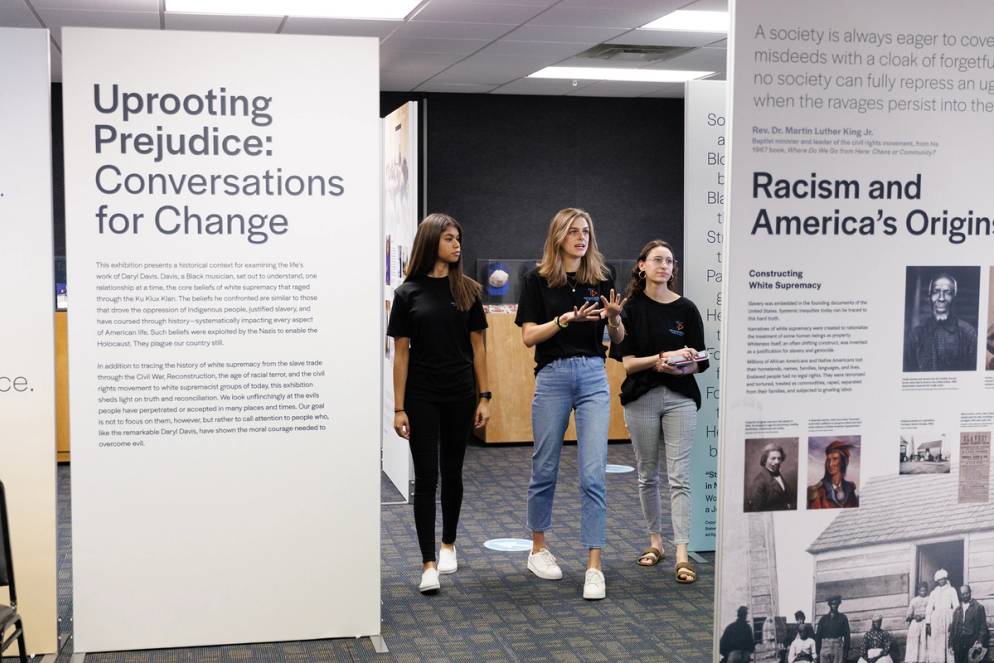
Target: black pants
<point>439,433</point>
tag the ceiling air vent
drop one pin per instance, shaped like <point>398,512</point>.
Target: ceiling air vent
<point>633,53</point>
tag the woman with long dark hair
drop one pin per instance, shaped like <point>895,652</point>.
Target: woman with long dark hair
<point>559,316</point>
<point>437,323</point>
<point>660,395</point>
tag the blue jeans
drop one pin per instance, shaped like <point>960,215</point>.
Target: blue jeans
<point>580,384</point>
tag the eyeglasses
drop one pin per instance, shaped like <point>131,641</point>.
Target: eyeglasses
<point>657,261</point>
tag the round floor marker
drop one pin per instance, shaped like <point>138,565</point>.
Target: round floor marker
<point>508,545</point>
<point>619,469</point>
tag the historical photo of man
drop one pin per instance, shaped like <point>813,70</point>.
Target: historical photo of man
<point>773,486</point>
<point>737,642</point>
<point>833,472</point>
<point>969,630</point>
<point>940,320</point>
<point>832,638</point>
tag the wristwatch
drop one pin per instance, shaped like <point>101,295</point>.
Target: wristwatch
<point>486,394</point>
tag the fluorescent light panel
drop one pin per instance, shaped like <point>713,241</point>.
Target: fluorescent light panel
<point>617,74</point>
<point>690,21</point>
<point>384,10</point>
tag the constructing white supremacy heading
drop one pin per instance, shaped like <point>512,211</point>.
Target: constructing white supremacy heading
<point>211,141</point>
<point>955,227</point>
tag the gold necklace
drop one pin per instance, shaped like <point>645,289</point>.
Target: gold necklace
<point>572,284</point>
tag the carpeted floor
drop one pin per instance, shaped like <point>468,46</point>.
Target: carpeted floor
<point>493,609</point>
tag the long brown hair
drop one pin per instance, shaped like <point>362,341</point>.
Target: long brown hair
<point>592,268</point>
<point>637,283</point>
<point>424,255</point>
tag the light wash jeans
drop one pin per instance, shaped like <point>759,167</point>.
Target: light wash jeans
<point>663,418</point>
<point>580,384</point>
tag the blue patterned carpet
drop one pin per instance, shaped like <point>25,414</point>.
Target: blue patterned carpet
<point>493,609</point>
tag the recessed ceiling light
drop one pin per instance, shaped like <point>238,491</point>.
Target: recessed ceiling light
<point>690,21</point>
<point>618,74</point>
<point>384,10</point>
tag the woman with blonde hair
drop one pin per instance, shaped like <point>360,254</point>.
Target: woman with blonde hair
<point>566,302</point>
<point>437,322</point>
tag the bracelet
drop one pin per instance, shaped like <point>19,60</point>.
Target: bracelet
<point>400,410</point>
<point>560,324</point>
<point>613,326</point>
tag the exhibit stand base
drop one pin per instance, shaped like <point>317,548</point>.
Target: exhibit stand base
<point>379,646</point>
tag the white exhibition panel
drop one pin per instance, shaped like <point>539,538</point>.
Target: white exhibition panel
<point>27,369</point>
<point>703,226</point>
<point>222,201</point>
<point>400,223</point>
<point>859,176</point>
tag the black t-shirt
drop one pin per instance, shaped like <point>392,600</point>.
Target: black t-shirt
<point>651,328</point>
<point>539,304</point>
<point>440,368</point>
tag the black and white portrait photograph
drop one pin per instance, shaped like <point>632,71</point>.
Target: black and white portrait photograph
<point>771,474</point>
<point>940,318</point>
<point>925,452</point>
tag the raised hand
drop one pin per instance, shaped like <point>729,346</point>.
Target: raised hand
<point>586,313</point>
<point>612,306</point>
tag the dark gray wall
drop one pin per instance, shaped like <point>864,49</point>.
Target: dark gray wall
<point>503,165</point>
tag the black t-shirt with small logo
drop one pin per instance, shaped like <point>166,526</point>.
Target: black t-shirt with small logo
<point>651,328</point>
<point>440,367</point>
<point>539,304</point>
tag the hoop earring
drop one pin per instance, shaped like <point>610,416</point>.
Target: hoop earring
<point>641,275</point>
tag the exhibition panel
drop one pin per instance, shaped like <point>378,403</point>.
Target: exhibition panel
<point>222,223</point>
<point>856,429</point>
<point>27,377</point>
<point>399,187</point>
<point>704,224</point>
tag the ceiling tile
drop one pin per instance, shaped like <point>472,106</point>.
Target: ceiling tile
<point>459,11</point>
<point>544,86</point>
<point>615,89</point>
<point>541,4</point>
<point>58,18</point>
<point>15,14</point>
<point>576,35</point>
<point>396,82</point>
<point>708,6</point>
<point>461,46</point>
<point>699,59</point>
<point>463,88</point>
<point>553,51</point>
<point>494,70</point>
<point>668,91</point>
<point>441,30</point>
<point>426,64</point>
<point>624,16</point>
<point>222,22</point>
<point>669,38</point>
<point>55,58</point>
<point>341,27</point>
<point>104,5</point>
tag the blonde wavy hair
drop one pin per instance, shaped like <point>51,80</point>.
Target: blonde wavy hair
<point>551,268</point>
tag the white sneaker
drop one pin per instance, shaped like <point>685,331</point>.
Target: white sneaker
<point>447,562</point>
<point>429,582</point>
<point>594,587</point>
<point>543,564</point>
